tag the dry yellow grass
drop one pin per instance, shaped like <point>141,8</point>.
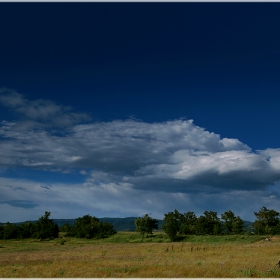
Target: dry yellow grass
<point>172,260</point>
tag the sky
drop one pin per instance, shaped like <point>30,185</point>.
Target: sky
<point>123,109</point>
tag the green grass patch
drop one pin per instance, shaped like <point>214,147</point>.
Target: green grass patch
<point>122,238</point>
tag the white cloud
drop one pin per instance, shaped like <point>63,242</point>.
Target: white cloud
<point>186,164</point>
<point>128,164</point>
<point>145,152</point>
<point>273,157</point>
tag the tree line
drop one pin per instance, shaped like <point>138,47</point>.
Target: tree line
<point>42,229</point>
<point>84,227</point>
<point>177,225</point>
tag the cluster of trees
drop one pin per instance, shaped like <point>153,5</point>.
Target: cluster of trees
<point>89,227</point>
<point>42,229</point>
<point>177,225</point>
<point>45,228</point>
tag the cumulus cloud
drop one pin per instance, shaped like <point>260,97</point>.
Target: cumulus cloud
<point>136,163</point>
<point>177,152</point>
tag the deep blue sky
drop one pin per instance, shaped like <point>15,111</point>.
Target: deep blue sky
<point>215,63</point>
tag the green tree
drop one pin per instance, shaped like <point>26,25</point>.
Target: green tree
<point>267,221</point>
<point>258,225</point>
<point>1,231</point>
<point>107,230</point>
<point>10,231</point>
<point>228,218</point>
<point>188,223</point>
<point>26,230</point>
<point>90,227</point>
<point>85,227</point>
<point>232,223</point>
<point>81,227</point>
<point>238,226</point>
<point>146,225</point>
<point>172,224</point>
<point>208,224</point>
<point>14,231</point>
<point>201,227</point>
<point>46,228</point>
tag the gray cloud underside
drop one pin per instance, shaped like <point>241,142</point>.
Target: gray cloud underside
<point>120,200</point>
<point>173,156</point>
<point>20,203</point>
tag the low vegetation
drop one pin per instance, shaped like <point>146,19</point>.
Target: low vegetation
<point>125,254</point>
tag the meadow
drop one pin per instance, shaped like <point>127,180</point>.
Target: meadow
<point>126,255</point>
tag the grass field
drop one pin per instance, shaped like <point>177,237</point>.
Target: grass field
<point>125,255</point>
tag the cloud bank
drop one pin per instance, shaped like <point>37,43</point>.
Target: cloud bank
<point>128,166</point>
